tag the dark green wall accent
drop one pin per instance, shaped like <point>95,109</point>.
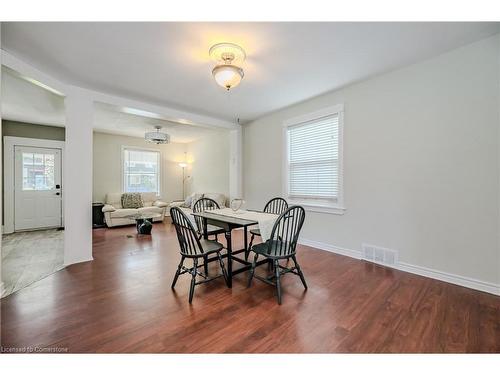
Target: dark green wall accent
<point>25,130</point>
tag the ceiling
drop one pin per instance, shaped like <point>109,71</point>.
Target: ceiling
<point>26,102</point>
<point>168,63</point>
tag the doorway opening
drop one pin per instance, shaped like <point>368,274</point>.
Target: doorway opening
<point>33,138</point>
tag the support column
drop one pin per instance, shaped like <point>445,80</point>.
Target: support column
<point>77,177</point>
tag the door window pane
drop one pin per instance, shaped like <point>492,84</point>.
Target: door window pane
<point>38,171</point>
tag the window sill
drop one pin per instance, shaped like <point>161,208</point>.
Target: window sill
<point>333,210</point>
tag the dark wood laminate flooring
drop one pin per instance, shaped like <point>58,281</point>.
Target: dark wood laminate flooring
<point>122,302</point>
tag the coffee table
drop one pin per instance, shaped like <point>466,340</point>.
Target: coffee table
<point>144,222</point>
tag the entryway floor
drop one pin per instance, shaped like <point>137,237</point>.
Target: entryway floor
<point>30,256</point>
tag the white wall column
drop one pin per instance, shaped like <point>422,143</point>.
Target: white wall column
<point>235,163</point>
<point>77,178</point>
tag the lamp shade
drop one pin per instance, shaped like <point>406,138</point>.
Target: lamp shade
<point>227,76</point>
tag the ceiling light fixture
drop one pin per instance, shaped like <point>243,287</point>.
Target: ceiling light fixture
<point>157,137</point>
<point>226,73</point>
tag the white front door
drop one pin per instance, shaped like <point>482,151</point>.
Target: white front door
<point>37,188</point>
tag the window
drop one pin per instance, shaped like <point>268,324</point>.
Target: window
<point>38,171</point>
<point>141,171</point>
<point>313,167</point>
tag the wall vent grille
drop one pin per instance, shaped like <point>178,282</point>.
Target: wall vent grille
<point>381,255</point>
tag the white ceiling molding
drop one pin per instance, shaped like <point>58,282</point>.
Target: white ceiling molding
<point>114,120</point>
<point>34,75</point>
<point>24,101</point>
<point>161,112</point>
<point>27,102</point>
<point>26,71</point>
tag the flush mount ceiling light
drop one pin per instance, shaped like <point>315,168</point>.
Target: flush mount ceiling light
<point>226,73</point>
<point>157,137</point>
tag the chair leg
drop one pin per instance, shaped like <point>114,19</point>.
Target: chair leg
<point>278,282</point>
<point>247,253</point>
<point>177,273</point>
<point>252,270</point>
<point>302,278</point>
<point>221,262</point>
<point>270,265</point>
<point>205,265</point>
<point>193,279</point>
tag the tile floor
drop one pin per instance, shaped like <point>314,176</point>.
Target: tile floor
<point>30,256</point>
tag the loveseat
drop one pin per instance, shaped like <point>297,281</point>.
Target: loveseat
<point>115,214</point>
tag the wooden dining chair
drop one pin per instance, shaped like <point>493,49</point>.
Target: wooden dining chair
<point>280,246</point>
<point>274,206</point>
<point>195,248</point>
<point>206,204</point>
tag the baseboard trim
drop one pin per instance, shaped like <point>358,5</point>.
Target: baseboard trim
<point>331,248</point>
<point>467,282</point>
<point>78,261</point>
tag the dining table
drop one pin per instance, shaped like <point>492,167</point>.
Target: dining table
<point>230,223</point>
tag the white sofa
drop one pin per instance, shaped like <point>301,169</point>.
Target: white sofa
<point>115,215</point>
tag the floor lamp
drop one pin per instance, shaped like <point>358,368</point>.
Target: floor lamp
<point>184,178</point>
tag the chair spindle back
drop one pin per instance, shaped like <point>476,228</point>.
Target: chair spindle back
<point>202,205</point>
<point>276,206</point>
<point>186,234</point>
<point>286,231</point>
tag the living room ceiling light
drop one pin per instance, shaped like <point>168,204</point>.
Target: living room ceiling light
<point>157,137</point>
<point>226,73</point>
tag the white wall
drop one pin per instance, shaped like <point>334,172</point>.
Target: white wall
<point>421,163</point>
<point>208,168</point>
<point>108,165</point>
<point>209,164</point>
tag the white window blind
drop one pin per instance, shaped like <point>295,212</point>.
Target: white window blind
<point>313,159</point>
<point>141,171</point>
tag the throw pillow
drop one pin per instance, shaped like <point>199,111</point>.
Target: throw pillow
<point>219,198</point>
<point>132,200</point>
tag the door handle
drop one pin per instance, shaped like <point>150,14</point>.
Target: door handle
<point>58,193</point>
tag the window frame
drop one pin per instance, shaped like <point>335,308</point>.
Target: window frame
<point>135,148</point>
<point>311,204</point>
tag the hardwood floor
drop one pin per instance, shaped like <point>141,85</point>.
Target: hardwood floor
<point>122,302</point>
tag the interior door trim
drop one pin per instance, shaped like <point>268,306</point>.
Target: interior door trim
<point>9,143</point>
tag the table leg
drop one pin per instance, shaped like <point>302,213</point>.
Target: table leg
<point>205,226</point>
<point>229,259</point>
<point>245,240</point>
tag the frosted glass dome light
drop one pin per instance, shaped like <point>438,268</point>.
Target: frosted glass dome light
<point>226,73</point>
<point>227,76</point>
